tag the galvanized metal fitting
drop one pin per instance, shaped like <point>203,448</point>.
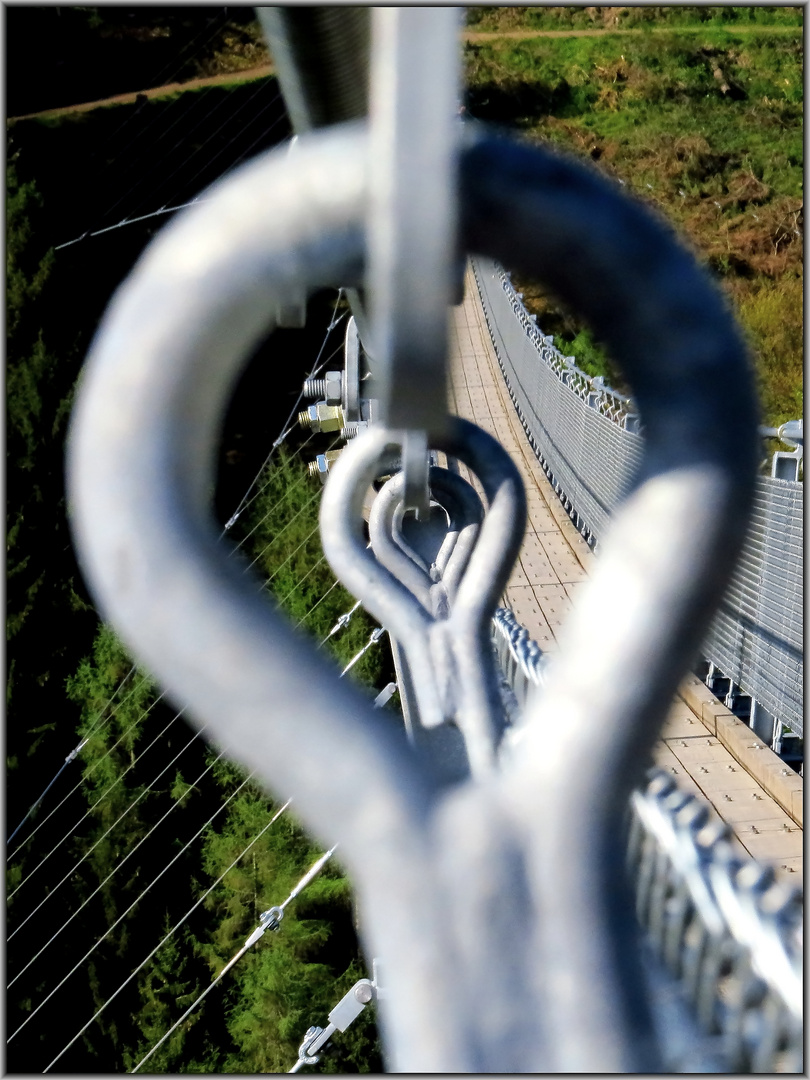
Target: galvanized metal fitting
<point>352,429</point>
<point>322,417</point>
<point>321,465</point>
<point>329,388</point>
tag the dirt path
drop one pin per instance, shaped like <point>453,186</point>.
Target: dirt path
<point>472,36</point>
<point>159,91</point>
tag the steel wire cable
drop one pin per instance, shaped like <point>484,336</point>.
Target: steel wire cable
<point>259,491</point>
<point>92,848</point>
<point>170,934</point>
<point>106,791</point>
<point>129,221</point>
<point>71,757</point>
<point>284,528</point>
<point>121,917</point>
<point>129,978</point>
<point>200,96</point>
<point>156,161</point>
<point>165,208</point>
<point>301,581</point>
<point>303,619</point>
<point>286,427</point>
<point>115,869</point>
<point>341,623</point>
<point>287,524</point>
<point>303,882</point>
<point>333,323</point>
<point>166,77</point>
<point>230,119</point>
<point>292,554</point>
<point>284,433</point>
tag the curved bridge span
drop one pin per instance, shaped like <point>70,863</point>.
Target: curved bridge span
<point>709,751</point>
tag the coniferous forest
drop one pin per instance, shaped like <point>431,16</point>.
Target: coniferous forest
<point>142,826</point>
<point>146,859</point>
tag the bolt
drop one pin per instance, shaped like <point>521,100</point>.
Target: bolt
<point>727,798</point>
<point>322,417</point>
<point>754,829</point>
<point>364,993</point>
<point>731,768</point>
<point>755,796</point>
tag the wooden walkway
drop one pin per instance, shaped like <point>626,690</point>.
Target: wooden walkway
<point>710,751</point>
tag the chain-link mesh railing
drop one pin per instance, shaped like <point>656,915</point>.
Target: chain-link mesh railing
<point>587,439</point>
<point>728,933</point>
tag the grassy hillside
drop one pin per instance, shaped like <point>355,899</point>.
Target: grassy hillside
<point>699,112</point>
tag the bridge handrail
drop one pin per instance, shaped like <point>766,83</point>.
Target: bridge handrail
<point>589,442</point>
<point>728,921</point>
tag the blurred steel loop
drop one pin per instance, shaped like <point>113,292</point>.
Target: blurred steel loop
<point>415,83</point>
<point>459,512</point>
<point>447,644</point>
<point>507,889</point>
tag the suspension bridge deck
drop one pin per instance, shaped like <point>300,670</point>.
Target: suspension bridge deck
<point>710,751</point>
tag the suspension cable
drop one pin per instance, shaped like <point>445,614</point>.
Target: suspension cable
<point>72,830</point>
<point>276,914</point>
<point>118,865</point>
<point>245,501</point>
<point>173,930</point>
<point>120,918</point>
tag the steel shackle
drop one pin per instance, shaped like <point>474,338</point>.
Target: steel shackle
<point>499,891</point>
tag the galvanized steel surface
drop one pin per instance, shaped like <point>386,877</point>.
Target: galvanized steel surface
<point>726,930</point>
<point>505,887</point>
<point>756,636</point>
<point>729,934</point>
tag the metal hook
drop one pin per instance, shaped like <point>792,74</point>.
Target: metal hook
<point>451,659</point>
<point>460,508</point>
<point>431,864</point>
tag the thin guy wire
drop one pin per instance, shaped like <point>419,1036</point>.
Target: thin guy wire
<point>301,581</point>
<point>107,790</point>
<point>173,930</point>
<point>333,323</point>
<point>297,889</point>
<point>99,721</point>
<point>340,625</point>
<point>299,483</point>
<point>188,132</point>
<point>230,119</point>
<point>42,1003</point>
<point>202,898</point>
<point>163,79</point>
<point>267,547</point>
<point>118,865</point>
<point>120,918</point>
<point>285,430</point>
<point>130,221</point>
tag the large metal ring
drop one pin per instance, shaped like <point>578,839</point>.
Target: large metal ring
<point>140,474</point>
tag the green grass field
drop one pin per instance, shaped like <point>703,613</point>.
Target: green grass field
<point>699,112</point>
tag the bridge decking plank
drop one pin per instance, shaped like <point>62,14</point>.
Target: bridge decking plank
<point>554,564</point>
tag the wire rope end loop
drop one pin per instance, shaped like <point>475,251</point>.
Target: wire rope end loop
<point>271,919</point>
<point>304,1057</point>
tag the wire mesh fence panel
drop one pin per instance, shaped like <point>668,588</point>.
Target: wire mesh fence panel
<point>584,436</point>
